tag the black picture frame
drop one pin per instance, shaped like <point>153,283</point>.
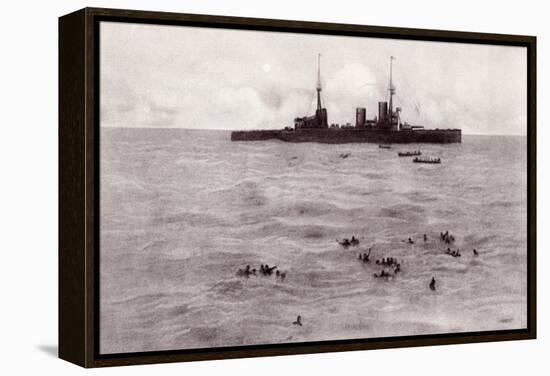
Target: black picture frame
<point>79,185</point>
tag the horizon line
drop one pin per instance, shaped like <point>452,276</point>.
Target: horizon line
<point>276,129</point>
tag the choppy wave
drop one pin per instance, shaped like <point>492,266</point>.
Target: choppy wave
<point>182,211</point>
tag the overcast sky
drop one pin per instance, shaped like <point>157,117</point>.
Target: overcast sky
<point>174,76</point>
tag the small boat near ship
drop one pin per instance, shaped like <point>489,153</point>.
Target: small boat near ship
<point>409,153</point>
<point>427,160</point>
<point>380,146</point>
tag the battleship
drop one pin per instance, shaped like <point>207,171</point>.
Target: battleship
<point>385,128</point>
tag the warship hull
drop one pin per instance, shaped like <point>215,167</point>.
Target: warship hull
<point>344,136</point>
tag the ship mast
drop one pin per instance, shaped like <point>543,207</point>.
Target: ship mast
<point>391,89</point>
<point>319,82</point>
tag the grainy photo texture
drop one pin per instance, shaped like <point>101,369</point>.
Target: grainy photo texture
<point>268,187</point>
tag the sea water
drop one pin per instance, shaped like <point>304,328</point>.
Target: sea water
<point>182,210</point>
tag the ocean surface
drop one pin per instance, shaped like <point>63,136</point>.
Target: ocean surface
<point>181,211</point>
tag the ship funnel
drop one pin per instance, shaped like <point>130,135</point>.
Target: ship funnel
<point>360,117</point>
<point>382,111</point>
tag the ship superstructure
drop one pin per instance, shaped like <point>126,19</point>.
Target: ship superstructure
<point>386,127</point>
<point>319,120</point>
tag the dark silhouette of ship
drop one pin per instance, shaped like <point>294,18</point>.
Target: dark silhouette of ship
<point>386,128</point>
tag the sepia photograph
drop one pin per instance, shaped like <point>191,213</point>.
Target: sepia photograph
<point>268,187</point>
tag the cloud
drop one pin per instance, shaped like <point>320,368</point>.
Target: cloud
<point>173,76</point>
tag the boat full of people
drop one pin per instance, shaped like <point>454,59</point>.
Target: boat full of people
<point>431,160</point>
<point>409,153</point>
